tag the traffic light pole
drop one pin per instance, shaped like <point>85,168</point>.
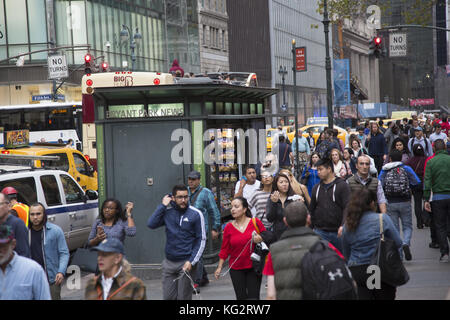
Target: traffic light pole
<point>326,27</point>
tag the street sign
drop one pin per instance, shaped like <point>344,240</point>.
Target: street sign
<point>398,46</point>
<point>57,67</point>
<point>43,97</point>
<point>300,59</point>
<point>284,107</point>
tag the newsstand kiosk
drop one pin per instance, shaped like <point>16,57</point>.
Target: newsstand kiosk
<point>150,137</point>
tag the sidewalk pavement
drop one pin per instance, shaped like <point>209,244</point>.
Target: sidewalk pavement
<point>429,279</point>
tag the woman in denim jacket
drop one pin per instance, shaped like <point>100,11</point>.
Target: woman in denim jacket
<point>361,236</point>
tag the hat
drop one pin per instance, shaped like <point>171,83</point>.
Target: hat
<point>194,175</point>
<point>418,129</point>
<point>6,234</point>
<point>437,125</point>
<point>110,245</point>
<point>9,190</point>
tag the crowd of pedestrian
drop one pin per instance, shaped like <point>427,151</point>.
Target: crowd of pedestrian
<point>277,221</point>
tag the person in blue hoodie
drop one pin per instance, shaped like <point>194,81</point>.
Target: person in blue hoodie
<point>397,180</point>
<point>185,242</point>
<point>48,248</point>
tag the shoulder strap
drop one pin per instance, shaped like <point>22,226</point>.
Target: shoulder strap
<point>285,152</point>
<point>196,196</point>
<point>255,225</point>
<point>120,289</point>
<point>381,227</point>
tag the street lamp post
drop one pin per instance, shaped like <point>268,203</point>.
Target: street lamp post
<point>125,34</point>
<point>283,72</point>
<point>326,27</point>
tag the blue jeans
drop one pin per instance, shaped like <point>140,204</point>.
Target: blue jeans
<point>402,211</point>
<point>330,237</point>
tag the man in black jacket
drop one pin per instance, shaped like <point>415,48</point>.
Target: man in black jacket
<point>328,201</point>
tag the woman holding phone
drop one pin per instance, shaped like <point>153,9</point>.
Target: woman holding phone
<point>113,222</point>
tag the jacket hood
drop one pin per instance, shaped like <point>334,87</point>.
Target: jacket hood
<point>175,63</point>
<point>392,165</point>
<point>29,219</point>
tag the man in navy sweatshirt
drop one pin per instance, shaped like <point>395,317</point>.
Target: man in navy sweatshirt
<point>185,242</point>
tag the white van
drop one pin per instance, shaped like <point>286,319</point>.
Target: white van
<point>66,204</point>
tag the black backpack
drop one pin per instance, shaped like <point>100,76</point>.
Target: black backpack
<point>396,183</point>
<point>325,275</point>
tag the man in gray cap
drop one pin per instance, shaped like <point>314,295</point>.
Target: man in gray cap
<point>420,139</point>
<point>115,281</point>
<point>203,199</point>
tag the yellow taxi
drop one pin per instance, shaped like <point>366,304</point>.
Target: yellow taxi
<point>70,160</point>
<point>290,131</point>
<point>318,128</point>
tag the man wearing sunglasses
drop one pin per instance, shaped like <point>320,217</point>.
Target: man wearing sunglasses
<point>185,242</point>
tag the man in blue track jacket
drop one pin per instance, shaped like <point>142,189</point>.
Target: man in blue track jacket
<point>185,242</point>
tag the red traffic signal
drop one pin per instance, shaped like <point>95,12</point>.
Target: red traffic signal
<point>377,40</point>
<point>87,58</point>
<point>88,64</point>
<point>105,66</point>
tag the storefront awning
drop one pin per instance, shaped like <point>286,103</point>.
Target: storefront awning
<point>183,91</point>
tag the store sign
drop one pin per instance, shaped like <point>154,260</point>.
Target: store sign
<point>300,59</point>
<point>16,139</point>
<point>398,46</point>
<point>57,67</point>
<point>421,102</point>
<point>138,111</point>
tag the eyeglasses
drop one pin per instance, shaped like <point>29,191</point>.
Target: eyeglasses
<point>182,197</point>
<point>266,176</point>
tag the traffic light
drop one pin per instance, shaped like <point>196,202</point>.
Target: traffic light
<point>88,63</point>
<point>376,47</point>
<point>105,66</point>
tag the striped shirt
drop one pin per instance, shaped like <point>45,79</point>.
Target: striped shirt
<point>257,204</point>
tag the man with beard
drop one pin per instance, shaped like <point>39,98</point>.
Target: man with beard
<point>48,248</point>
<point>21,278</point>
<point>185,242</point>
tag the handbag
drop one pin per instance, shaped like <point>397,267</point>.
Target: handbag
<point>86,259</point>
<point>261,251</point>
<point>387,258</point>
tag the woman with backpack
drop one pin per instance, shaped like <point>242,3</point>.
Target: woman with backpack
<point>360,239</point>
<point>417,163</point>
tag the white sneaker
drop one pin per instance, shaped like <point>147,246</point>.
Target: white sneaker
<point>444,258</point>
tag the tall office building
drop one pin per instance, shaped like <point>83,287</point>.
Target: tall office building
<point>163,30</point>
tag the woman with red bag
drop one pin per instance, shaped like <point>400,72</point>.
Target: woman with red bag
<point>239,239</point>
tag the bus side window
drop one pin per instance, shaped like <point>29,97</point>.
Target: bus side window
<point>51,190</point>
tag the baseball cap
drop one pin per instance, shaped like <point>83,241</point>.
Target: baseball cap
<point>6,234</point>
<point>418,129</point>
<point>194,175</point>
<point>110,245</point>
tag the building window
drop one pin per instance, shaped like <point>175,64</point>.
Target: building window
<point>204,36</point>
<point>223,39</point>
